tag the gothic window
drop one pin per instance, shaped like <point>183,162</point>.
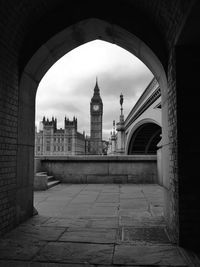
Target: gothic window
<point>69,144</point>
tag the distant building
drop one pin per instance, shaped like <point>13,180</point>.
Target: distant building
<point>96,114</point>
<point>50,141</point>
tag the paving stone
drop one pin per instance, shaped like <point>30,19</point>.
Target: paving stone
<point>132,195</point>
<point>76,253</point>
<point>104,222</point>
<point>149,234</point>
<point>154,255</point>
<point>43,264</point>
<point>84,199</point>
<point>19,249</point>
<point>132,213</point>
<point>75,210</point>
<point>141,220</point>
<point>14,263</point>
<point>108,197</point>
<point>106,204</point>
<point>90,235</point>
<point>39,264</point>
<point>30,232</point>
<point>36,220</point>
<point>103,211</point>
<point>67,222</point>
<point>133,204</point>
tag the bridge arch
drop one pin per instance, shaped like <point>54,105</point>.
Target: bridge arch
<point>135,131</point>
<point>145,139</point>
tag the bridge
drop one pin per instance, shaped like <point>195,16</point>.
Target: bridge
<point>143,124</point>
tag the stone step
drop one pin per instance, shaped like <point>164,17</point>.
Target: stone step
<point>50,178</point>
<point>52,183</point>
<point>41,173</point>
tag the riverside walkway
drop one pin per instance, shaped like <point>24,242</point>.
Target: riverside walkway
<point>93,225</point>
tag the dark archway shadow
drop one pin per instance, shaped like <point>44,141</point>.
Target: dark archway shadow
<point>46,56</point>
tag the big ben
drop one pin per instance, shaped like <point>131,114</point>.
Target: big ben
<point>96,113</point>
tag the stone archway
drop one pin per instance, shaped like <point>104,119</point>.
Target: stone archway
<point>56,47</point>
<point>134,128</point>
<point>144,139</point>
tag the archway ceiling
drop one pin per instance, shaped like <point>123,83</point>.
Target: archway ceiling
<point>152,21</point>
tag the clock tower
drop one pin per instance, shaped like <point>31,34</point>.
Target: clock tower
<point>96,112</point>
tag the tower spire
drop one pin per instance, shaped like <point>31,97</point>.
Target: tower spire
<point>96,88</point>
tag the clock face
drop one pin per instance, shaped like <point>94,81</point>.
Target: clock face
<point>96,107</point>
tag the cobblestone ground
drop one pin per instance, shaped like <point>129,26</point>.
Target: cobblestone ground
<point>93,225</point>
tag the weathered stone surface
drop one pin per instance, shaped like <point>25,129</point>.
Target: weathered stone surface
<point>76,253</point>
<point>137,203</point>
<point>108,197</point>
<point>149,234</point>
<point>30,232</point>
<point>89,235</point>
<point>143,219</point>
<point>104,222</point>
<point>84,199</point>
<point>101,227</point>
<point>36,220</point>
<point>67,222</point>
<point>148,255</point>
<point>103,211</point>
<point>19,249</point>
<point>40,264</point>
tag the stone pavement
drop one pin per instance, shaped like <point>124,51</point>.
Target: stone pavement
<point>93,225</point>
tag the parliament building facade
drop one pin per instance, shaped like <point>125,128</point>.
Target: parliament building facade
<point>50,141</point>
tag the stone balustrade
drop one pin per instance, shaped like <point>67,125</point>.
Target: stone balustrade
<point>100,169</point>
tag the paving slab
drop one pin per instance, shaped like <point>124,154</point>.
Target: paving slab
<point>103,211</point>
<point>108,197</point>
<point>91,235</point>
<point>36,220</point>
<point>137,194</point>
<point>67,222</point>
<point>19,249</point>
<point>30,233</point>
<point>76,253</point>
<point>74,229</point>
<point>40,264</point>
<point>83,199</point>
<point>149,234</point>
<point>136,203</point>
<point>162,255</point>
<point>134,213</point>
<point>141,220</point>
<point>104,222</point>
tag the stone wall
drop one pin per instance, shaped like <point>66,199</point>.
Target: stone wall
<point>101,169</point>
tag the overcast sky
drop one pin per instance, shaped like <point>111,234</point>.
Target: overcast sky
<point>67,88</point>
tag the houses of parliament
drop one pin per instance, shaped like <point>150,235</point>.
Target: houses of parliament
<point>51,141</point>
